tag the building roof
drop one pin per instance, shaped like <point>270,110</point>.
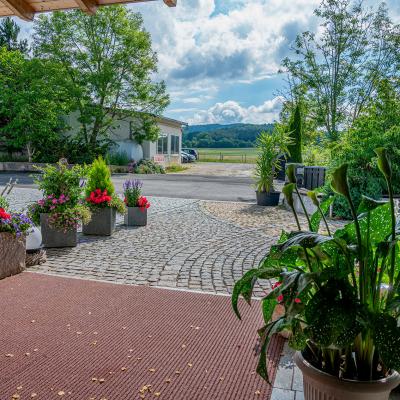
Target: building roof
<point>26,9</point>
<point>171,121</point>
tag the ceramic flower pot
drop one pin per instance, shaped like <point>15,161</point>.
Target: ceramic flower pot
<point>102,222</point>
<point>319,385</point>
<point>267,198</point>
<point>53,237</point>
<point>12,254</point>
<point>135,216</point>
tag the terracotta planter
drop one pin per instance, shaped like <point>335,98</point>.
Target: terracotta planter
<point>135,216</point>
<point>52,237</point>
<point>102,222</point>
<point>319,385</point>
<point>12,254</point>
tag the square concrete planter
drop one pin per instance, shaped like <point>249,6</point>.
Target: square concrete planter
<point>12,254</point>
<point>135,216</point>
<point>102,222</point>
<point>52,237</point>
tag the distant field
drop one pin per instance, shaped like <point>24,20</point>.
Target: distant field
<point>244,155</point>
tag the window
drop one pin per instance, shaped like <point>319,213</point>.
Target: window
<point>174,144</point>
<point>162,144</point>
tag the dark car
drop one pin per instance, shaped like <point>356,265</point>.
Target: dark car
<point>187,158</point>
<point>192,152</point>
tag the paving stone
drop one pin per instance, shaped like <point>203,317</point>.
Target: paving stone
<point>282,394</point>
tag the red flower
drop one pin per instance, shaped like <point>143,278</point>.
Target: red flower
<point>280,298</point>
<point>297,300</point>
<point>143,203</point>
<point>98,197</point>
<point>276,284</point>
<point>4,215</point>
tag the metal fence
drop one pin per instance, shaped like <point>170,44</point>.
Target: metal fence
<point>224,157</point>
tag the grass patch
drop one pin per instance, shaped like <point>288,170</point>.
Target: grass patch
<point>228,155</point>
<point>175,168</point>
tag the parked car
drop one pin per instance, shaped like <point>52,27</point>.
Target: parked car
<point>192,152</point>
<point>187,158</point>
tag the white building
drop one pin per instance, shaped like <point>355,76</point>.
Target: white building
<point>165,151</point>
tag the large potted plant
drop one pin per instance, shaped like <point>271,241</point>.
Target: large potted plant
<point>102,200</point>
<point>270,145</point>
<point>341,296</point>
<point>13,230</point>
<point>136,204</point>
<point>61,210</point>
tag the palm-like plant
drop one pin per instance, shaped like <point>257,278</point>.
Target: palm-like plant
<point>270,146</point>
<point>341,291</point>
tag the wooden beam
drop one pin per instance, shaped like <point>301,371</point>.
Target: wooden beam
<point>170,3</point>
<point>20,8</point>
<point>87,6</point>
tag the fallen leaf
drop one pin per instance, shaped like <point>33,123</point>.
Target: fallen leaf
<point>177,372</point>
<point>190,365</point>
<point>184,346</point>
<point>94,343</point>
<point>124,327</point>
<point>95,333</point>
<point>9,355</point>
<point>61,393</point>
<point>35,349</point>
<point>27,354</point>
<point>139,358</point>
<point>101,380</point>
<point>79,333</point>
<point>257,392</point>
<point>152,370</point>
<point>94,379</point>
<point>33,321</point>
<point>167,380</point>
<point>19,387</point>
<point>149,336</point>
<point>16,396</point>
<point>34,395</point>
<point>157,394</point>
<point>123,369</point>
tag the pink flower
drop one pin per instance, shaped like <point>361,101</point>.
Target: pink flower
<point>280,298</point>
<point>54,201</point>
<point>297,300</point>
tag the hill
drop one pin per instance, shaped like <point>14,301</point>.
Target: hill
<point>223,136</point>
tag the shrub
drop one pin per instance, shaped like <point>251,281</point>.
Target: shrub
<point>148,167</point>
<point>118,158</point>
<point>99,177</point>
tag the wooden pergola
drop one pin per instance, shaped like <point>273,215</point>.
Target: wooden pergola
<point>26,9</point>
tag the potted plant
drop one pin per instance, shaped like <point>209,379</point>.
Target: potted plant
<point>60,211</point>
<point>341,296</point>
<point>136,204</point>
<point>13,230</point>
<point>270,146</point>
<point>102,200</point>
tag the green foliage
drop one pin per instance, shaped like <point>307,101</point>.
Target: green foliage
<point>31,105</point>
<point>9,31</point>
<point>106,63</point>
<point>223,136</point>
<point>118,158</point>
<point>339,291</point>
<point>147,167</point>
<point>270,146</point>
<point>61,179</point>
<point>378,126</point>
<point>99,177</point>
<point>296,133</point>
<point>4,203</point>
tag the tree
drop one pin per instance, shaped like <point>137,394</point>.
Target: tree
<point>341,65</point>
<point>31,104</point>
<point>107,62</point>
<point>295,133</point>
<point>9,32</point>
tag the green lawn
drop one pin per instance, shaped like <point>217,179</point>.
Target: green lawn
<point>243,155</point>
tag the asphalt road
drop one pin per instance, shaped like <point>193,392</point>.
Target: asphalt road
<point>173,185</point>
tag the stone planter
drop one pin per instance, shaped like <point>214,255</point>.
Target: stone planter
<point>52,237</point>
<point>267,198</point>
<point>102,222</point>
<point>135,216</point>
<point>12,254</point>
<point>319,385</point>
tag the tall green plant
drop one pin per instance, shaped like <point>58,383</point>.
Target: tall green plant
<point>270,145</point>
<point>296,133</point>
<point>340,291</point>
<point>99,177</point>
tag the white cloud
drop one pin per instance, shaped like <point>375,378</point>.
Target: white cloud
<point>232,112</point>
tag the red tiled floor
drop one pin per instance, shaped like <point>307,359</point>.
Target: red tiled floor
<point>65,335</point>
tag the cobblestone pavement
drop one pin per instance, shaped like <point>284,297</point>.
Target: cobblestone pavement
<point>183,246</point>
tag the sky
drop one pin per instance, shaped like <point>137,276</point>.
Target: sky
<point>220,58</point>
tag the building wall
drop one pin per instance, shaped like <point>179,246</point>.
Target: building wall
<point>120,134</point>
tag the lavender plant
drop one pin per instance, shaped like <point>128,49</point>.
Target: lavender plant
<point>132,192</point>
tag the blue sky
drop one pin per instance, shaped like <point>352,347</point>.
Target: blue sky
<point>220,58</point>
